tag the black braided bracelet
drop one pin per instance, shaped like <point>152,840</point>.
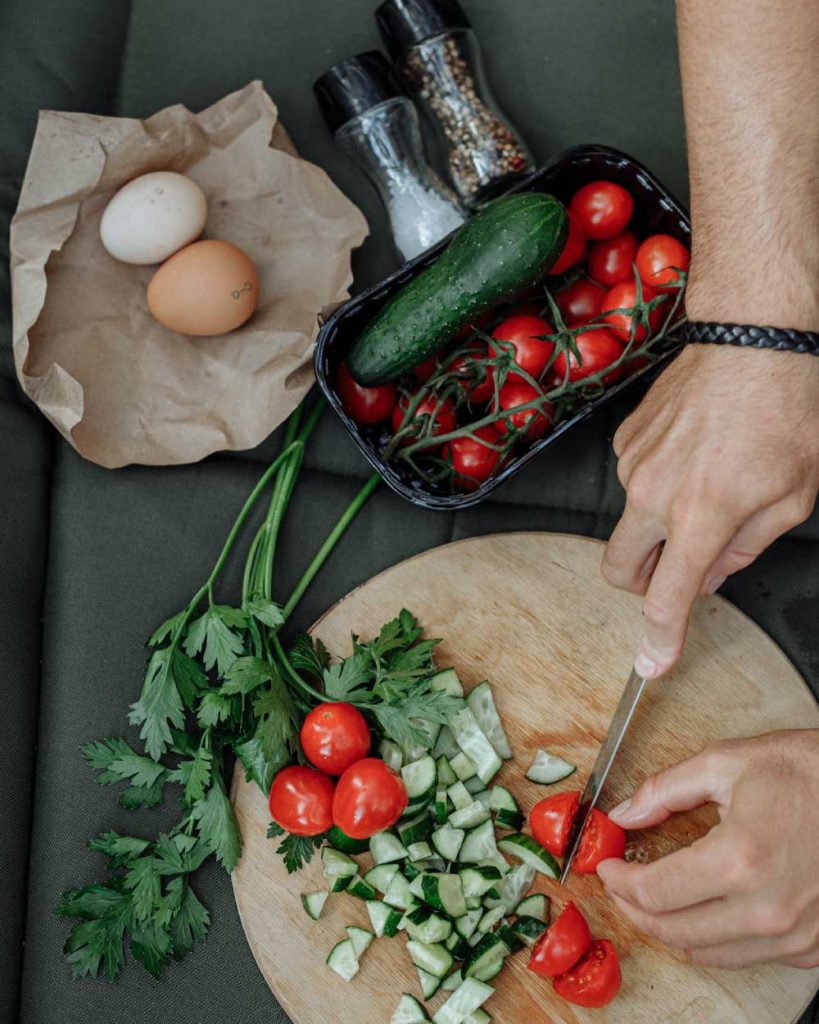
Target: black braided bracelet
<point>782,339</point>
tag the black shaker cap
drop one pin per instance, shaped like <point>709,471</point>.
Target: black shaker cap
<point>404,23</point>
<point>354,86</point>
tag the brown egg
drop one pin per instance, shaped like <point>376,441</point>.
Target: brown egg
<point>208,287</point>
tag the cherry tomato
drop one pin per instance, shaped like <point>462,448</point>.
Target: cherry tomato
<point>530,353</point>
<point>473,461</point>
<point>624,296</point>
<point>334,736</point>
<point>301,800</point>
<point>551,819</point>
<point>479,321</point>
<point>369,797</point>
<point>611,260</point>
<point>483,387</point>
<point>601,839</point>
<point>598,349</point>
<point>573,247</point>
<point>365,405</point>
<point>536,421</point>
<point>658,260</point>
<point>423,371</point>
<point>603,208</point>
<point>594,980</point>
<point>562,944</point>
<point>580,302</point>
<point>445,419</point>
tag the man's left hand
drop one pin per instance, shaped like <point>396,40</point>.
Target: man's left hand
<point>748,891</point>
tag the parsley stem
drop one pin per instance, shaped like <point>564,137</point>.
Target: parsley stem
<point>302,684</point>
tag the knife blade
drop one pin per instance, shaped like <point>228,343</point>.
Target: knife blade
<point>608,751</point>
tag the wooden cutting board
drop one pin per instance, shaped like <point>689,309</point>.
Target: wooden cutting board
<point>530,612</point>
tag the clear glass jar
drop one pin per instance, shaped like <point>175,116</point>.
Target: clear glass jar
<point>385,143</point>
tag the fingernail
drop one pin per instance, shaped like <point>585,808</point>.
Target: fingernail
<point>644,666</point>
<point>713,585</point>
<point>620,813</point>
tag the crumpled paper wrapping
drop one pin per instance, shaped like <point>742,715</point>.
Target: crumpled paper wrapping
<point>116,384</point>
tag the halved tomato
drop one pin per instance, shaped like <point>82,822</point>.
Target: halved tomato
<point>594,980</point>
<point>551,820</point>
<point>601,839</point>
<point>562,944</point>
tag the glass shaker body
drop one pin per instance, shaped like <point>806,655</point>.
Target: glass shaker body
<point>385,143</point>
<point>483,153</point>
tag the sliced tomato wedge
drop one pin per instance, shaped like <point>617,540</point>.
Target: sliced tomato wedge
<point>601,840</point>
<point>594,980</point>
<point>562,944</point>
<point>551,820</point>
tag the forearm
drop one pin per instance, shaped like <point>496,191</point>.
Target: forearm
<point>751,91</point>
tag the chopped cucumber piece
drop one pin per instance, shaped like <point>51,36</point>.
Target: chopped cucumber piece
<point>424,926</point>
<point>419,851</point>
<point>410,870</point>
<point>528,929</point>
<point>528,850</point>
<point>446,776</point>
<point>445,745</point>
<point>390,754</point>
<point>473,786</point>
<point>466,924</point>
<point>462,766</point>
<point>467,998</point>
<point>431,865</point>
<point>358,887</point>
<point>502,799</point>
<point>459,795</point>
<point>444,892</point>
<point>448,841</point>
<point>469,817</point>
<point>342,960</point>
<point>515,886</point>
<point>386,848</point>
<point>473,742</point>
<point>482,704</point>
<point>511,820</point>
<point>416,829</point>
<point>512,941</point>
<point>420,779</point>
<point>478,1017</point>
<point>398,894</point>
<point>346,843</point>
<point>536,905</point>
<point>384,919</point>
<point>476,881</point>
<point>313,903</point>
<point>486,955</point>
<point>409,1011</point>
<point>483,796</point>
<point>340,884</point>
<point>490,919</point>
<point>441,806</point>
<point>497,861</point>
<point>336,863</point>
<point>416,886</point>
<point>430,957</point>
<point>380,876</point>
<point>429,983</point>
<point>452,981</point>
<point>456,946</point>
<point>548,768</point>
<point>360,938</point>
<point>473,902</point>
<point>479,844</point>
<point>447,680</point>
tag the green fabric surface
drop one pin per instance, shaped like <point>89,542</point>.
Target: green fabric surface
<point>102,556</point>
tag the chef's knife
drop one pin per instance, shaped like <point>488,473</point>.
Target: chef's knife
<point>614,738</point>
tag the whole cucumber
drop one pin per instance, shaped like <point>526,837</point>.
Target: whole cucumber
<point>505,248</point>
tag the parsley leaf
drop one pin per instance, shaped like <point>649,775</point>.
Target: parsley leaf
<point>194,774</point>
<point>213,709</point>
<point>217,825</point>
<point>119,849</point>
<point>190,921</point>
<point>246,674</point>
<point>98,941</point>
<point>133,797</point>
<point>347,679</point>
<point>212,632</point>
<point>142,878</point>
<point>296,850</point>
<point>189,677</point>
<point>309,655</point>
<point>267,612</point>
<point>159,706</point>
<point>151,945</point>
<point>164,631</point>
<point>260,768</point>
<point>117,762</point>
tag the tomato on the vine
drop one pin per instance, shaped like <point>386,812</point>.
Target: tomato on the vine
<point>603,208</point>
<point>473,460</point>
<point>369,797</point>
<point>301,800</point>
<point>611,260</point>
<point>601,839</point>
<point>334,736</point>
<point>365,405</point>
<point>659,260</point>
<point>477,381</point>
<point>551,820</point>
<point>478,322</point>
<point>423,371</point>
<point>580,302</point>
<point>562,944</point>
<point>531,353</point>
<point>594,980</point>
<point>623,297</point>
<point>536,420</point>
<point>573,247</point>
<point>598,348</point>
<point>441,410</point>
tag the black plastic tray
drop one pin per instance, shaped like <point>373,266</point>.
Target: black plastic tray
<point>655,210</point>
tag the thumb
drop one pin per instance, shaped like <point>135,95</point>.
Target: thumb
<point>689,784</point>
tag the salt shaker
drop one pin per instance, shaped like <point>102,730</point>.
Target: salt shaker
<point>377,126</point>
<point>437,53</point>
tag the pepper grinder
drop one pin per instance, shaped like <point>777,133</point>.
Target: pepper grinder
<point>437,54</point>
<point>377,126</point>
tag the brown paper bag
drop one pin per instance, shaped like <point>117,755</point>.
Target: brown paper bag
<point>117,385</point>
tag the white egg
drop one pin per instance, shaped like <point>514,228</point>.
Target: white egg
<point>153,216</point>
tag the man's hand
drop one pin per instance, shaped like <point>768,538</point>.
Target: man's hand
<point>748,892</point>
<point>720,459</point>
